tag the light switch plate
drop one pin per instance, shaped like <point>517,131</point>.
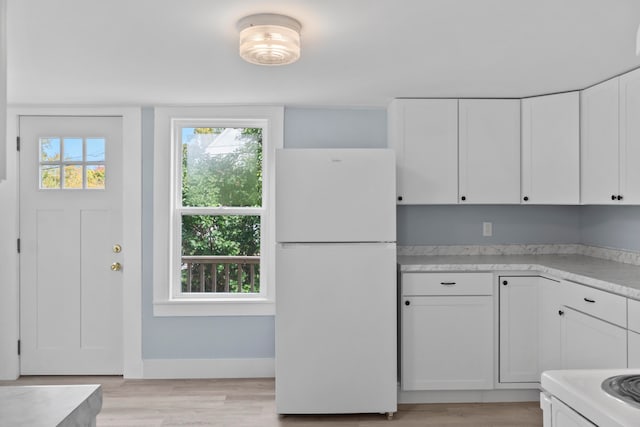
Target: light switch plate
<point>487,229</point>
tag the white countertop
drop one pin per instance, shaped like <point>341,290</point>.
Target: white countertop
<point>47,406</point>
<point>612,276</point>
<point>582,391</point>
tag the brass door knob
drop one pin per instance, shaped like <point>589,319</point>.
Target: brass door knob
<point>116,266</point>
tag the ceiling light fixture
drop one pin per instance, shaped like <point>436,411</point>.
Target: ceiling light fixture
<point>269,39</point>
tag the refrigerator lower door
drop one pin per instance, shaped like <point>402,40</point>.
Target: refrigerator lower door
<point>336,328</point>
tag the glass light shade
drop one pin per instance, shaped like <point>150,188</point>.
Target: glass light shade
<point>269,39</point>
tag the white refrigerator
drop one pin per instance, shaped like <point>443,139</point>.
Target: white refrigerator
<point>335,281</point>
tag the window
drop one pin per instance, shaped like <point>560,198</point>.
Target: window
<point>72,163</point>
<point>213,210</point>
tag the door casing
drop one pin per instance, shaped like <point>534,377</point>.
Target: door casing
<point>132,214</point>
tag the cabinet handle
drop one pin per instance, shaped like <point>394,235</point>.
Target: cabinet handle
<point>463,198</point>
<point>525,198</point>
<point>448,283</point>
<point>560,313</point>
<point>407,303</point>
<point>619,197</point>
<point>589,300</point>
<point>613,197</point>
<point>505,283</point>
<point>400,198</point>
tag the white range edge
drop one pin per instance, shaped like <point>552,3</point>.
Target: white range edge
<point>581,390</point>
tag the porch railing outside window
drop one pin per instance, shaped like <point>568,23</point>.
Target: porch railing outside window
<point>235,274</point>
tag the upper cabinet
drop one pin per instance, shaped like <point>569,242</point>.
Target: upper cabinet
<point>551,149</point>
<point>568,148</point>
<point>424,133</point>
<point>599,155</point>
<point>611,141</point>
<point>489,151</point>
<point>630,137</point>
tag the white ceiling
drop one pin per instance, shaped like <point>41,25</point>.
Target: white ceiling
<point>354,52</point>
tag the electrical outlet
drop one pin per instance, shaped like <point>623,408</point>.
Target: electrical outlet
<point>487,229</point>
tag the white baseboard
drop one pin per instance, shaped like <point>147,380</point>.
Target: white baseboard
<point>208,368</point>
<point>468,396</point>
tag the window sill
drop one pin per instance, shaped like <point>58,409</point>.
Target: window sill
<point>222,307</point>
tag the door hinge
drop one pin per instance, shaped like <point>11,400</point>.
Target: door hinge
<point>18,244</point>
<point>18,347</point>
<point>18,143</point>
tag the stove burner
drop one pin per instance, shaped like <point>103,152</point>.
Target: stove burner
<point>624,387</point>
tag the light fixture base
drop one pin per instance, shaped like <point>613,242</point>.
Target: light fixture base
<point>269,39</point>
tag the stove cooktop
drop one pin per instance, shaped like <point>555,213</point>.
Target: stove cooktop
<point>624,387</point>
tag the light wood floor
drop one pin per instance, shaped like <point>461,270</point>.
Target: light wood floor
<point>250,403</point>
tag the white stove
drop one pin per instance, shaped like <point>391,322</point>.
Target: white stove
<point>575,398</point>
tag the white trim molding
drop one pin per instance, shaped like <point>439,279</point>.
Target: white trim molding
<point>209,368</point>
<point>132,257</point>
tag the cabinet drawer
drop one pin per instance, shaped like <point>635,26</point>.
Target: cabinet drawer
<point>447,284</point>
<point>609,307</point>
<point>634,315</point>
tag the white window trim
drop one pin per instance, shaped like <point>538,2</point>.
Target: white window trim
<point>166,151</point>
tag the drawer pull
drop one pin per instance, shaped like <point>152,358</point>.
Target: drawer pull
<point>447,283</point>
<point>589,300</point>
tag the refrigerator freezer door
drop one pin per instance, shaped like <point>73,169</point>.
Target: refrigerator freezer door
<point>336,328</point>
<point>335,195</point>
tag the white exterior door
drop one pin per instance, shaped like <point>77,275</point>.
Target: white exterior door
<point>70,232</point>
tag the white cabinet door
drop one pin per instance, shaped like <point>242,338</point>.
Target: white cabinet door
<point>630,137</point>
<point>633,350</point>
<point>489,156</point>
<point>529,328</point>
<point>549,321</point>
<point>599,156</point>
<point>564,416</point>
<point>424,133</point>
<point>519,308</point>
<point>591,343</point>
<point>447,343</point>
<point>551,149</point>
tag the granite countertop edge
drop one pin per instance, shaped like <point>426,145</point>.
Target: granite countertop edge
<point>611,276</point>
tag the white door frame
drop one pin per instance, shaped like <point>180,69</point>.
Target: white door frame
<point>132,217</point>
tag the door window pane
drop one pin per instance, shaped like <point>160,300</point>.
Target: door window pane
<point>95,149</point>
<point>95,176</point>
<point>73,149</point>
<point>222,167</point>
<point>49,177</point>
<point>73,176</point>
<point>49,149</point>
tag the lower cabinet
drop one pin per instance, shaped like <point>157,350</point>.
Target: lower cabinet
<point>529,328</point>
<point>591,343</point>
<point>447,340</point>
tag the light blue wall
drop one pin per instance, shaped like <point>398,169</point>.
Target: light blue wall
<point>611,226</point>
<point>462,224</point>
<point>190,337</point>
<point>253,337</point>
<point>335,128</point>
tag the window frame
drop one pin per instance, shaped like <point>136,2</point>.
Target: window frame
<point>168,300</point>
